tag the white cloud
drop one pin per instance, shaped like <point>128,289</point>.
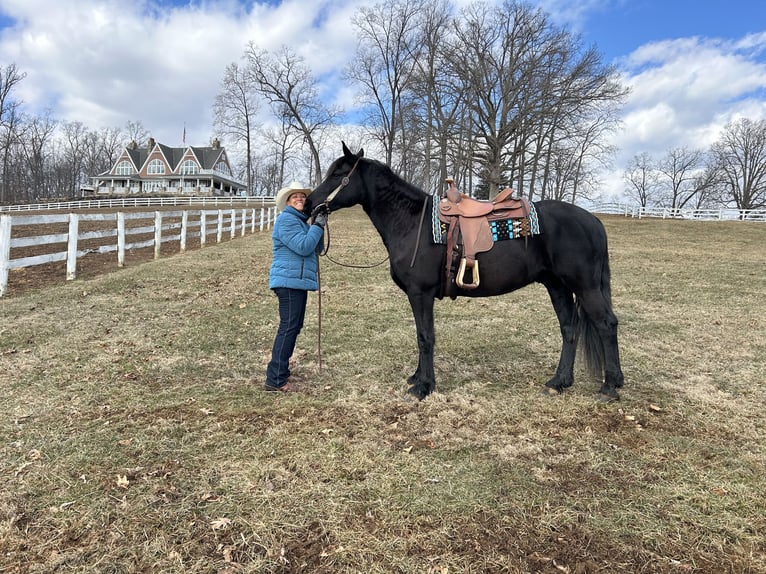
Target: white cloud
<point>106,62</point>
<point>683,92</point>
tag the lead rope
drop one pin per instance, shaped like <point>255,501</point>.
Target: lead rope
<point>319,315</point>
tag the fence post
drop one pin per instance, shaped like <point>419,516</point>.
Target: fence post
<point>220,225</point>
<point>233,222</point>
<point>263,219</point>
<point>120,239</point>
<point>202,228</point>
<point>252,225</point>
<point>5,251</point>
<point>157,233</point>
<point>244,221</point>
<point>71,252</point>
<point>184,225</point>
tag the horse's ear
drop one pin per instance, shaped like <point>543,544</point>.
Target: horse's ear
<point>349,154</point>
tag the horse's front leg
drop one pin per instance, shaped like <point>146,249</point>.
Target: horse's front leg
<point>423,380</point>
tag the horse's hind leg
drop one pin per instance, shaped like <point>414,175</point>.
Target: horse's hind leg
<point>563,303</point>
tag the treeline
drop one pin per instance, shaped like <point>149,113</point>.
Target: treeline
<point>731,172</point>
<point>43,158</point>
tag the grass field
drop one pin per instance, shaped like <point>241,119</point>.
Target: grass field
<point>136,436</point>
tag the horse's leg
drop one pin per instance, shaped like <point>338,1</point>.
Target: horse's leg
<point>563,303</point>
<point>423,380</point>
<point>599,310</point>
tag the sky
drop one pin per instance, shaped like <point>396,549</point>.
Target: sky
<point>692,66</point>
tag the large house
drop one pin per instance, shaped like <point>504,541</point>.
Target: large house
<point>160,169</point>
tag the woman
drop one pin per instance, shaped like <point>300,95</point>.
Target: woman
<point>294,272</point>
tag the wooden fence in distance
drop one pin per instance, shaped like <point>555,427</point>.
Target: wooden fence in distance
<point>39,237</point>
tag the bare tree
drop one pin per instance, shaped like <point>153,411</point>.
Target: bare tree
<point>739,160</point>
<point>280,142</point>
<point>383,66</point>
<point>37,152</point>
<point>112,144</point>
<point>641,177</point>
<point>99,150</point>
<point>678,173</point>
<point>72,161</point>
<point>136,132</point>
<point>235,111</point>
<point>579,111</point>
<point>495,57</point>
<point>10,119</point>
<point>531,92</point>
<point>291,89</point>
<point>440,97</point>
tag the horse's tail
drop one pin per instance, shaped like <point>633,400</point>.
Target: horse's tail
<point>589,340</point>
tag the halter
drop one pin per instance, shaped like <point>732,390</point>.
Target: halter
<point>343,183</point>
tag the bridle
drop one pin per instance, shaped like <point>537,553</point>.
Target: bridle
<point>343,183</point>
<point>324,252</point>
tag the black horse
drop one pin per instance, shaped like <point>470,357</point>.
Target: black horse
<point>569,257</point>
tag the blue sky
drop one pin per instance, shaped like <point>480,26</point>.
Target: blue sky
<point>691,65</point>
<point>619,27</point>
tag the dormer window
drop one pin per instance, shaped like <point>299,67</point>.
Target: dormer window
<point>123,168</point>
<point>156,167</point>
<point>221,167</point>
<point>189,167</point>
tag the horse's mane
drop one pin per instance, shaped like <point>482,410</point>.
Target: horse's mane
<point>399,185</point>
<point>393,183</point>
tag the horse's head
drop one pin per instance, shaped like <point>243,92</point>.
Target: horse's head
<point>342,185</point>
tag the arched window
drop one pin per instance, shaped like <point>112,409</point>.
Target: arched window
<point>156,167</point>
<point>221,167</point>
<point>189,167</point>
<point>123,168</point>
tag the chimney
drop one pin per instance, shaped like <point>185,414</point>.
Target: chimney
<point>150,144</point>
<point>133,145</point>
<point>216,143</point>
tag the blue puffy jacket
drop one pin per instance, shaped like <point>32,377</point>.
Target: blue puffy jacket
<point>294,263</point>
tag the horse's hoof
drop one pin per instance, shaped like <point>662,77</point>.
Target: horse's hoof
<point>417,392</point>
<point>606,398</point>
<point>551,392</point>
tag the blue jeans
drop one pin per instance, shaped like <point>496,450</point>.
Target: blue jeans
<point>292,310</point>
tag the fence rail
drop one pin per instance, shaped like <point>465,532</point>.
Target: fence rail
<point>117,202</point>
<point>115,232</point>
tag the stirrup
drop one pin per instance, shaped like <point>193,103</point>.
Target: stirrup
<point>461,275</point>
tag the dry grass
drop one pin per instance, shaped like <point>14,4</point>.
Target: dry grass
<point>137,439</point>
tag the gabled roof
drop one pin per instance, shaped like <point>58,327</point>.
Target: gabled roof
<point>207,156</point>
<point>138,156</point>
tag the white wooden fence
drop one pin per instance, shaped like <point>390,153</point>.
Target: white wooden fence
<point>720,214</point>
<point>117,202</point>
<point>119,237</point>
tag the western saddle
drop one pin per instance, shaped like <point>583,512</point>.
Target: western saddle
<point>469,230</point>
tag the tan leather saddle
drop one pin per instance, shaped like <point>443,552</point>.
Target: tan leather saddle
<point>469,231</point>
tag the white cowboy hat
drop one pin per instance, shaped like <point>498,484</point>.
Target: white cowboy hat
<point>284,194</point>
